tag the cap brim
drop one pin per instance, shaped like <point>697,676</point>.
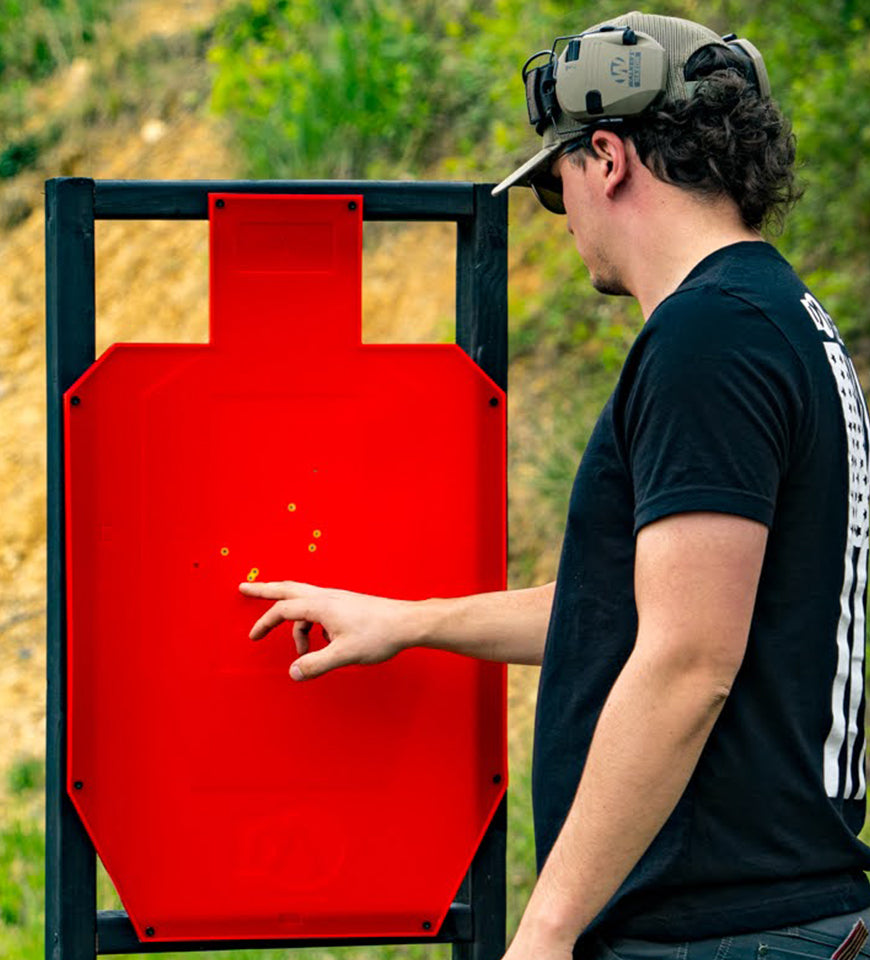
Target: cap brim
<point>522,175</point>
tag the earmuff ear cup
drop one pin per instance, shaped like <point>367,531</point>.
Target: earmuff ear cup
<point>759,70</point>
<point>733,54</point>
<point>600,75</point>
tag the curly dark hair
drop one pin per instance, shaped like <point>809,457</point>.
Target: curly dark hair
<point>724,141</point>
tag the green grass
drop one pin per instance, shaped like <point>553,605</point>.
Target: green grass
<point>22,882</point>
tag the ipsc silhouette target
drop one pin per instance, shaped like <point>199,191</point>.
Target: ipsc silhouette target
<point>226,800</point>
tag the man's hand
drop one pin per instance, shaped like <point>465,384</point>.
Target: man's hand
<point>360,629</point>
<point>508,626</point>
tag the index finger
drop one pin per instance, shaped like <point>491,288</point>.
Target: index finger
<point>272,590</point>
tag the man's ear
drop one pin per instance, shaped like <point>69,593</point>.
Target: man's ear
<point>611,149</point>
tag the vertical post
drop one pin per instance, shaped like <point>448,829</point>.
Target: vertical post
<point>481,330</point>
<point>487,889</point>
<point>70,867</point>
<point>481,283</point>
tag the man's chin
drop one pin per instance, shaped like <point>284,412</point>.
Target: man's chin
<point>610,286</point>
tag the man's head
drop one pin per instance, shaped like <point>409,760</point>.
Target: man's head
<point>692,107</point>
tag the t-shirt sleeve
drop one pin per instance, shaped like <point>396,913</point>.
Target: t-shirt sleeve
<point>710,405</point>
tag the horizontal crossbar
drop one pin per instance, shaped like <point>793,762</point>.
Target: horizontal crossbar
<point>188,199</point>
<point>115,934</point>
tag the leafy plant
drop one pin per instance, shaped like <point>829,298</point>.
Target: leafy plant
<point>26,775</point>
<point>36,38</point>
<point>339,89</point>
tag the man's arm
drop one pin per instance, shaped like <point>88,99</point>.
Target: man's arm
<point>508,626</point>
<point>696,577</point>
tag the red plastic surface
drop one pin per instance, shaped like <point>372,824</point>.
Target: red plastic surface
<point>226,800</point>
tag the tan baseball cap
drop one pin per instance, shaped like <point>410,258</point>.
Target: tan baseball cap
<point>626,77</point>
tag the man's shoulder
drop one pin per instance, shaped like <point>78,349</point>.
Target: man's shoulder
<point>737,319</point>
<point>741,294</point>
<point>752,273</point>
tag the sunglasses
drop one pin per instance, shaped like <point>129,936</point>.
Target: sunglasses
<point>546,186</point>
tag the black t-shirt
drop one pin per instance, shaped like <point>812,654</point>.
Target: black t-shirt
<point>738,397</point>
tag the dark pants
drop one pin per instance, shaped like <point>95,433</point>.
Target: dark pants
<point>809,941</point>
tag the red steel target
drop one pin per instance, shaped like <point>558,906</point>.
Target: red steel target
<point>225,800</point>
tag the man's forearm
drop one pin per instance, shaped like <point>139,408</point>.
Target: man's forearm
<point>509,626</point>
<point>646,745</point>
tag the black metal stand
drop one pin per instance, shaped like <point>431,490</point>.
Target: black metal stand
<point>74,929</point>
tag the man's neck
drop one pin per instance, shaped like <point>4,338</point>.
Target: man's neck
<point>674,239</point>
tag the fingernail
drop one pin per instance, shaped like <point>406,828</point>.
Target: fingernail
<point>295,672</point>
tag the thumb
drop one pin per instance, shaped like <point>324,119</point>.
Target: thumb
<point>317,663</point>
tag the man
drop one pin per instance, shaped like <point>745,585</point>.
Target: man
<point>699,750</point>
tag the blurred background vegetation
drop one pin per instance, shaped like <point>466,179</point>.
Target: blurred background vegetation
<point>389,89</point>
<point>375,88</point>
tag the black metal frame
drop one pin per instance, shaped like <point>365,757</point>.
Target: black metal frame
<point>74,929</point>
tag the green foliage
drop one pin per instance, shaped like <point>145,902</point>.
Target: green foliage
<point>17,156</point>
<point>820,63</point>
<point>329,89</point>
<point>22,879</point>
<point>521,871</point>
<point>25,776</point>
<point>37,37</point>
<point>22,876</point>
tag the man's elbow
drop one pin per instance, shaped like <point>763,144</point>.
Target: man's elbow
<point>703,669</point>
